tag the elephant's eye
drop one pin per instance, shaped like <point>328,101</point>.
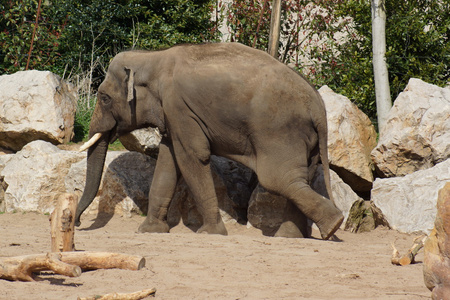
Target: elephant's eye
<point>105,99</point>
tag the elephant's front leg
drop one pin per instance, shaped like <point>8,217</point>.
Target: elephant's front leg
<point>161,191</point>
<point>197,174</point>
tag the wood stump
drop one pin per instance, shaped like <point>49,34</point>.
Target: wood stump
<point>63,260</point>
<point>62,222</point>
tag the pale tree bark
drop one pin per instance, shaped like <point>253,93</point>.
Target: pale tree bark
<point>382,92</point>
<point>275,28</point>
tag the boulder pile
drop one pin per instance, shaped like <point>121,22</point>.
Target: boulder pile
<point>400,174</point>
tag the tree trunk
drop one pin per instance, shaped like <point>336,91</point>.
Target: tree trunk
<point>382,92</point>
<point>275,27</point>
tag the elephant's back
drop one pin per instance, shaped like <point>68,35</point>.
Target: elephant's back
<point>233,55</point>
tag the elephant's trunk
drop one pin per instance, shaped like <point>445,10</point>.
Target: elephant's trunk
<point>95,162</point>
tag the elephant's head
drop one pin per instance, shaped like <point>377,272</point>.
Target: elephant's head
<point>125,101</point>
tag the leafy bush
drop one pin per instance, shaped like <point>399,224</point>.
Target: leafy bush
<point>77,38</point>
<point>16,24</point>
<point>82,119</point>
<point>330,42</point>
<point>249,22</point>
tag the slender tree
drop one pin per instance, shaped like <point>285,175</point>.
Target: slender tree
<point>275,28</point>
<point>380,71</point>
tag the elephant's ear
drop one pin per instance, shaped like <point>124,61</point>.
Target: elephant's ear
<point>130,84</point>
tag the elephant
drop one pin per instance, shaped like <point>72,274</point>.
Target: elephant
<point>223,99</point>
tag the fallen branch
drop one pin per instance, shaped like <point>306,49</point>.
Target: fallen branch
<point>409,257</point>
<point>131,296</point>
<point>22,267</point>
<point>66,263</point>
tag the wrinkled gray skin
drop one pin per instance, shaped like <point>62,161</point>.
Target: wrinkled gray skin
<point>224,99</point>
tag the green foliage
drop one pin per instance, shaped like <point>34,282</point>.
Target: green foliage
<point>96,30</point>
<point>418,35</point>
<point>82,120</point>
<point>417,38</point>
<point>331,42</point>
<point>73,34</point>
<point>249,22</point>
<point>171,22</point>
<point>76,39</point>
<point>16,24</point>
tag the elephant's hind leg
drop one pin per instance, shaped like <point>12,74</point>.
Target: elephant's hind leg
<point>290,180</point>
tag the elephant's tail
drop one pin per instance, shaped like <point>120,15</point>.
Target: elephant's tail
<point>322,131</point>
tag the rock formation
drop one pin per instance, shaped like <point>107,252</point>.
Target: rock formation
<point>351,138</point>
<point>417,133</point>
<point>35,105</point>
<point>409,203</point>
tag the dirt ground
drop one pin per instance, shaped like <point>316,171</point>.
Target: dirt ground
<point>243,265</point>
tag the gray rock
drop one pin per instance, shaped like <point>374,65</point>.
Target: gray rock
<point>124,187</point>
<point>417,133</point>
<point>35,105</point>
<point>409,203</point>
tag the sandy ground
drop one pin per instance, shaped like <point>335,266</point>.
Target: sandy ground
<point>243,265</point>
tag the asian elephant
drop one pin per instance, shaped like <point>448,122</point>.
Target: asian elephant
<point>225,99</point>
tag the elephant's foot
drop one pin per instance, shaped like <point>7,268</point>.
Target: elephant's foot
<point>289,230</point>
<point>330,224</point>
<point>218,228</point>
<point>153,225</point>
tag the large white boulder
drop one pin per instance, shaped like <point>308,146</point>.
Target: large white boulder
<point>351,138</point>
<point>35,105</point>
<point>417,133</point>
<point>409,203</point>
<point>34,177</point>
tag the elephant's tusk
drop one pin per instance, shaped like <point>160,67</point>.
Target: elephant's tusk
<point>157,133</point>
<point>91,142</point>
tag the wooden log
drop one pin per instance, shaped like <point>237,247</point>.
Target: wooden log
<point>409,257</point>
<point>22,267</point>
<point>66,263</point>
<point>130,296</point>
<point>103,260</point>
<point>62,222</point>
